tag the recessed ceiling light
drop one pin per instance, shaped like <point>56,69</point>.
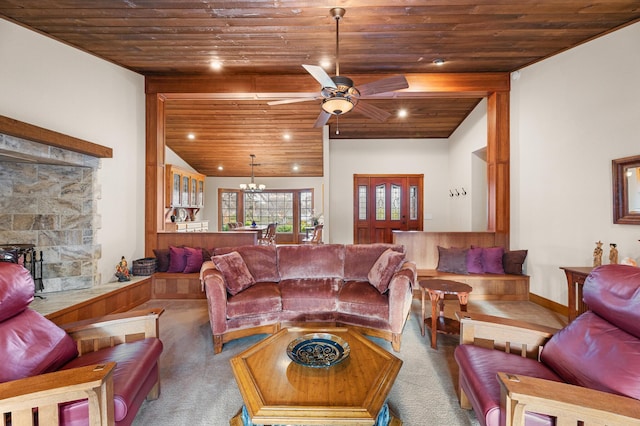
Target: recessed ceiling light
<point>402,113</point>
<point>286,136</point>
<point>325,63</point>
<point>191,136</point>
<point>295,168</point>
<point>438,61</point>
<point>220,168</point>
<point>216,65</point>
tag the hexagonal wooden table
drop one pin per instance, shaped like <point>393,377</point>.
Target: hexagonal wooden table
<point>277,390</point>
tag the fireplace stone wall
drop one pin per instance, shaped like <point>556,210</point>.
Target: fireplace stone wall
<point>48,197</point>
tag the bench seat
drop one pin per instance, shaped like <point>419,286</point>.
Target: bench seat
<point>485,286</point>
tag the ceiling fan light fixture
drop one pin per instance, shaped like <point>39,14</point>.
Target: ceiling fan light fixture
<point>338,104</point>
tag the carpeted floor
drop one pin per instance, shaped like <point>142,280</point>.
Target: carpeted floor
<point>198,388</point>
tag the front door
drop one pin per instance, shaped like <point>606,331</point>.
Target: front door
<point>386,203</point>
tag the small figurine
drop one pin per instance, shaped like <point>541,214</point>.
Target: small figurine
<point>597,254</point>
<point>613,254</point>
<point>122,270</point>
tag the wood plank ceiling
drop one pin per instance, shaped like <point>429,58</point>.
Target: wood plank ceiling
<point>266,37</point>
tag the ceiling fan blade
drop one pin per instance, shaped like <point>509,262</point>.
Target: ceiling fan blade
<point>291,101</point>
<point>321,75</point>
<point>322,119</point>
<point>385,85</point>
<point>372,111</point>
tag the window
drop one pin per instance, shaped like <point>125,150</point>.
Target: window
<point>228,209</point>
<point>291,209</point>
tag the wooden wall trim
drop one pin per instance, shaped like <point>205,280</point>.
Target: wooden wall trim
<point>20,129</point>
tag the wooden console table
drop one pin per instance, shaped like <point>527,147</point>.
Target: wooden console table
<point>576,275</point>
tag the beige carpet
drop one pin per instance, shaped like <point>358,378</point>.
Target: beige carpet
<point>198,388</point>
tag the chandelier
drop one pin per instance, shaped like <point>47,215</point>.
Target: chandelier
<point>252,186</point>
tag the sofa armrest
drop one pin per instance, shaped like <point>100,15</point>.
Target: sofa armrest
<point>216,293</point>
<point>46,391</point>
<point>568,403</point>
<point>401,296</point>
<point>109,330</point>
<point>504,334</point>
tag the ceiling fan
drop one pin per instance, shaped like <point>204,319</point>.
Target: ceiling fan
<point>339,95</point>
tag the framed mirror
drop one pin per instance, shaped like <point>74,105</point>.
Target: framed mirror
<point>626,190</point>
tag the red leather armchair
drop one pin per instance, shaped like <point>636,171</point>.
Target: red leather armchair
<point>515,373</point>
<point>91,372</point>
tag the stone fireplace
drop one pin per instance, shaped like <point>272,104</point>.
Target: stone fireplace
<point>48,198</point>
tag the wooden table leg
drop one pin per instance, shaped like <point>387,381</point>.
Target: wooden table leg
<point>423,309</point>
<point>463,299</point>
<point>434,296</point>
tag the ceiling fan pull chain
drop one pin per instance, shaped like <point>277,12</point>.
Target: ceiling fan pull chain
<point>337,124</point>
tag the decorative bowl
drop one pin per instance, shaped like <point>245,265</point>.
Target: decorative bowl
<point>318,350</point>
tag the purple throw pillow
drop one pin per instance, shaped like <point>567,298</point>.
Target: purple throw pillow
<point>492,260</point>
<point>474,260</point>
<point>383,269</point>
<point>452,260</point>
<point>194,260</point>
<point>512,261</point>
<point>177,259</point>
<point>234,271</point>
<point>162,259</point>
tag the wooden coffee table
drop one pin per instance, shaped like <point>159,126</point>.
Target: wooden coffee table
<point>437,290</point>
<point>276,390</point>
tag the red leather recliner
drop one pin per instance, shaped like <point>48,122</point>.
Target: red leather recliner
<point>590,369</point>
<point>39,356</point>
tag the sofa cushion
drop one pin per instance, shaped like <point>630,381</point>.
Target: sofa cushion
<point>234,271</point>
<point>177,259</point>
<point>17,289</point>
<point>593,353</point>
<point>513,261</point>
<point>452,260</point>
<point>362,299</point>
<point>261,261</point>
<point>492,260</point>
<point>310,261</point>
<point>162,259</point>
<point>474,261</point>
<point>359,258</point>
<point>613,292</point>
<point>478,368</point>
<point>383,269</point>
<point>134,362</point>
<point>309,294</point>
<point>194,259</point>
<point>258,299</point>
<point>30,344</point>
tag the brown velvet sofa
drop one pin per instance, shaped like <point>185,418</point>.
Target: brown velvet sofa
<point>259,289</point>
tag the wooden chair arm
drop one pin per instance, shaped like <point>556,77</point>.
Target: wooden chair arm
<point>110,330</point>
<point>504,334</point>
<point>46,391</point>
<point>568,403</point>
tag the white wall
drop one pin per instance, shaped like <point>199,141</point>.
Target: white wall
<point>379,156</point>
<point>469,212</point>
<point>51,85</point>
<point>570,116</point>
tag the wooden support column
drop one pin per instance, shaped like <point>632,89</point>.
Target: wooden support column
<point>498,165</point>
<point>154,172</point>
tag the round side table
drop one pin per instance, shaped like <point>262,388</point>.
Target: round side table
<point>437,289</point>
